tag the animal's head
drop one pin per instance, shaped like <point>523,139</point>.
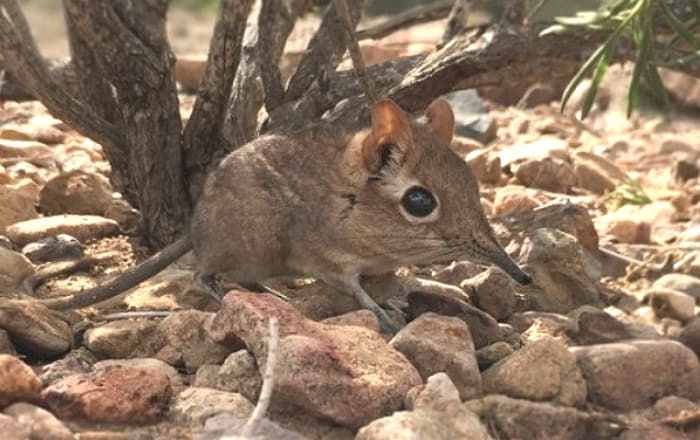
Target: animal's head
<point>418,201</point>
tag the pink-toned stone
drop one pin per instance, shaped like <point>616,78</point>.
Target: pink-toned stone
<point>348,374</point>
<point>114,395</point>
<point>435,343</point>
<point>513,198</point>
<point>360,318</point>
<point>18,382</point>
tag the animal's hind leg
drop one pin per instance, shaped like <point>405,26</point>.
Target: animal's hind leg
<point>208,282</point>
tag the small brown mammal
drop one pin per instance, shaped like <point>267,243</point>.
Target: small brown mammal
<point>336,206</point>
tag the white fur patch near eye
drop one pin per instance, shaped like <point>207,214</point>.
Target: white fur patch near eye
<point>396,186</point>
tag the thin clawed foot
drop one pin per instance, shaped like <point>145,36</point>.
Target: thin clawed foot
<point>385,323</point>
<point>208,282</point>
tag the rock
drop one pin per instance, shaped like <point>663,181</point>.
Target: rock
<point>456,272</point>
<point>683,283</point>
<point>544,146</point>
<point>33,132</point>
<point>547,173</point>
<point>15,206</point>
<point>239,374</point>
<point>463,145</point>
<point>34,329</point>
<point>112,395</point>
<point>493,292</point>
<point>195,405</point>
<point>485,166</point>
<point>653,431</point>
<point>490,354</point>
<point>77,192</point>
<point>684,170</point>
<point>6,346</point>
<point>623,376</point>
<point>17,381</point>
<point>597,174</point>
<point>123,213</point>
<point>360,318</point>
<point>459,423</point>
<point>483,328</point>
<point>77,361</point>
<point>625,228</point>
<point>182,339</point>
<point>598,327</point>
<point>566,217</point>
<point>690,335</point>
<point>42,424</point>
<point>670,406</point>
<point>438,393</point>
<point>151,364</point>
<point>316,360</point>
<point>541,370</point>
<point>123,338</point>
<point>669,303</point>
<point>23,149</point>
<point>538,94</point>
<point>60,247</point>
<point>206,376</point>
<point>471,116</point>
<point>228,425</point>
<point>510,335</point>
<point>13,430</point>
<point>5,243</point>
<point>172,289</point>
<point>566,275</point>
<point>690,235</point>
<point>512,199</point>
<point>82,227</point>
<point>14,267</point>
<point>523,419</point>
<point>434,343</point>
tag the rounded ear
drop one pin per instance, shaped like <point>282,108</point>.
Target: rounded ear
<point>390,126</point>
<point>441,120</point>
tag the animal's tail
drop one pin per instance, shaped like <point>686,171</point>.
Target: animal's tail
<point>151,266</point>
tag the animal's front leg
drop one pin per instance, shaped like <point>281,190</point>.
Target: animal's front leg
<point>366,302</point>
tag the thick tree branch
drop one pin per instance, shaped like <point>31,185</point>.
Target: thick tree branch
<point>202,130</point>
<point>420,14</point>
<point>258,73</point>
<point>24,62</point>
<point>324,52</point>
<point>358,62</point>
<point>146,95</point>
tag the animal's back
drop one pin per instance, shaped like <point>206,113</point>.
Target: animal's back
<point>254,198</point>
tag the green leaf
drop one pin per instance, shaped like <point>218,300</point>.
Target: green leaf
<point>581,74</point>
<point>686,60</point>
<point>679,27</point>
<point>598,75</point>
<point>639,67</point>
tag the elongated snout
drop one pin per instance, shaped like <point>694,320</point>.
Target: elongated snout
<point>488,250</point>
<point>502,260</point>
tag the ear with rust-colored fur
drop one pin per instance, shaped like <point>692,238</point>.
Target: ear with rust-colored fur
<point>390,129</point>
<point>441,120</point>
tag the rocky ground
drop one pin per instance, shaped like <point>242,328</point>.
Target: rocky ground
<point>604,214</point>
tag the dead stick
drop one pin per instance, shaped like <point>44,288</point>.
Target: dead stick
<point>354,48</point>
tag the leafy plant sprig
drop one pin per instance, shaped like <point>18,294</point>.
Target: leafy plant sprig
<point>634,21</point>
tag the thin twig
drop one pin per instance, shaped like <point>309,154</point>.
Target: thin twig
<point>413,16</point>
<point>131,315</point>
<point>354,48</point>
<point>268,381</point>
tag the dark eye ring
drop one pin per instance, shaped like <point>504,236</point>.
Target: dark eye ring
<point>418,201</point>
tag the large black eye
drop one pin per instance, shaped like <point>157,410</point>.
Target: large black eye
<point>418,201</point>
